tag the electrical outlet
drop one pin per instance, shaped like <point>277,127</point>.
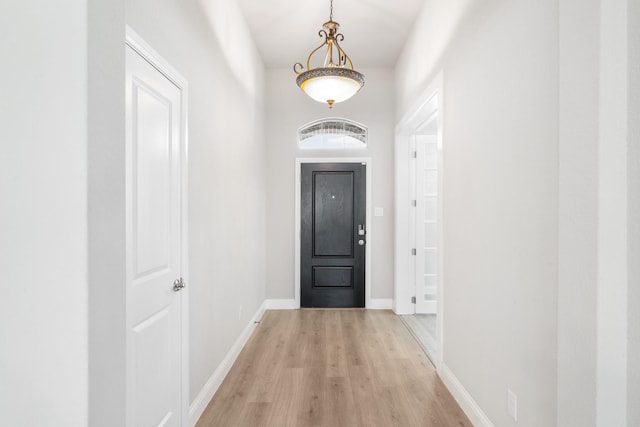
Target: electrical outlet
<point>512,404</point>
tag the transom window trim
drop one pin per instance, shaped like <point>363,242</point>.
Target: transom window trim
<point>333,133</point>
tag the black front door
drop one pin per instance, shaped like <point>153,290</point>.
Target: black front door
<point>332,241</point>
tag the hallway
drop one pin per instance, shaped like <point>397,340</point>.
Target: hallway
<point>332,368</point>
<point>538,128</point>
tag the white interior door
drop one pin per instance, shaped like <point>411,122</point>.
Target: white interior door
<point>426,220</point>
<point>153,138</point>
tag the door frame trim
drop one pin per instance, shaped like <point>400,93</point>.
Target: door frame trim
<point>367,267</point>
<point>137,43</point>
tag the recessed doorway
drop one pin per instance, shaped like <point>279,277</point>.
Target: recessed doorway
<point>419,221</point>
<point>367,237</point>
<point>156,239</point>
<point>425,230</point>
<point>333,235</point>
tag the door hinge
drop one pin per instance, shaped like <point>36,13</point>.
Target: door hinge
<point>414,203</point>
<point>414,154</point>
<point>413,300</point>
<point>413,251</point>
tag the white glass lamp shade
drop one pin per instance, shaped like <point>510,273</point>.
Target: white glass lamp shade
<point>330,85</point>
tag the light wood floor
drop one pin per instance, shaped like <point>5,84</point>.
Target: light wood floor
<point>332,368</point>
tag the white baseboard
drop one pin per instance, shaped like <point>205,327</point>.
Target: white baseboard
<point>464,399</point>
<point>290,304</point>
<point>200,403</point>
<point>281,304</point>
<point>380,304</point>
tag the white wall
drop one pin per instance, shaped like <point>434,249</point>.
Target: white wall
<point>535,152</point>
<point>593,279</point>
<point>289,108</point>
<point>500,147</point>
<point>611,384</point>
<point>43,218</point>
<point>106,213</point>
<point>578,218</point>
<point>211,48</point>
<point>633,306</point>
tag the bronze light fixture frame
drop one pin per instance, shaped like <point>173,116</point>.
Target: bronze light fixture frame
<point>336,61</point>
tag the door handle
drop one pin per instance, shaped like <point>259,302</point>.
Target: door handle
<point>361,242</point>
<point>178,285</point>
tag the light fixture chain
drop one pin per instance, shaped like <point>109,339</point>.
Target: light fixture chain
<point>331,11</point>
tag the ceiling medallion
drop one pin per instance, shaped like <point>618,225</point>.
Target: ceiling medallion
<point>336,80</point>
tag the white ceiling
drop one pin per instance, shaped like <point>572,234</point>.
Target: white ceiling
<point>286,31</point>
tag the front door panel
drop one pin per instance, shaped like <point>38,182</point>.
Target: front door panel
<point>332,256</point>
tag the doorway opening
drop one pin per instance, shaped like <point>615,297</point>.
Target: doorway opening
<point>425,226</point>
<point>419,221</point>
<point>157,303</point>
<point>332,235</point>
<point>368,237</point>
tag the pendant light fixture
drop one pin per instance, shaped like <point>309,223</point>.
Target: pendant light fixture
<point>335,80</point>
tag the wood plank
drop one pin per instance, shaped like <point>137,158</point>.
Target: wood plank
<point>286,400</point>
<point>309,368</point>
<point>312,401</point>
<point>366,395</point>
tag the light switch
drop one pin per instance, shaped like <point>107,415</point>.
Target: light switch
<point>378,212</point>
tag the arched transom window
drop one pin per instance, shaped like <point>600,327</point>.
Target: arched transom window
<point>332,133</point>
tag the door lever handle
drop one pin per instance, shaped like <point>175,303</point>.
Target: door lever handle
<point>178,285</point>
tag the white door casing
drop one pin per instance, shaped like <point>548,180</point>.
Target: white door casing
<point>156,241</point>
